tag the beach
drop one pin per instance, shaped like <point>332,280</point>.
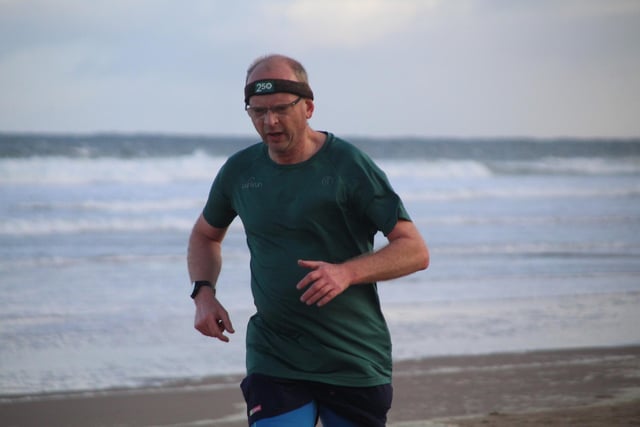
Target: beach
<point>583,387</point>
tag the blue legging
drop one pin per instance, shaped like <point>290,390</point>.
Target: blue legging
<point>305,416</point>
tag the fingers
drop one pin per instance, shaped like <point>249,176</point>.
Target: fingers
<point>311,277</point>
<point>218,327</point>
<point>321,291</point>
<point>307,280</point>
<point>323,283</point>
<point>224,324</point>
<point>215,329</point>
<point>319,295</point>
<point>314,292</point>
<point>213,324</point>
<point>309,264</point>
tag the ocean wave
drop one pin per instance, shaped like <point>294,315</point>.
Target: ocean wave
<point>62,261</point>
<point>448,168</point>
<point>569,166</point>
<point>434,169</point>
<point>408,148</point>
<point>569,192</point>
<point>530,221</point>
<point>555,249</point>
<point>67,170</point>
<point>22,227</point>
<point>114,206</point>
<point>199,166</point>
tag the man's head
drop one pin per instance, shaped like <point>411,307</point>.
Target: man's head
<point>279,101</point>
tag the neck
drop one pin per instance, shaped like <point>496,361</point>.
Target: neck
<point>299,151</point>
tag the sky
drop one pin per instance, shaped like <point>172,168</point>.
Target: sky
<point>424,68</point>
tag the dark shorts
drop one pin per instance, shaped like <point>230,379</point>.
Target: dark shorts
<point>268,397</point>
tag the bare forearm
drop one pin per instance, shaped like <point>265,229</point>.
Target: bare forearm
<point>405,254</point>
<point>400,257</point>
<point>204,257</point>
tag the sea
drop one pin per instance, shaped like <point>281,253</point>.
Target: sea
<point>535,244</point>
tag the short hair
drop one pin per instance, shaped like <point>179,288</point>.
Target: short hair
<point>296,66</point>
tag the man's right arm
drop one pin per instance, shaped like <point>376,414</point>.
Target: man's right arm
<point>204,262</point>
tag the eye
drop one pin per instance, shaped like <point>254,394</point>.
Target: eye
<point>280,109</point>
<point>259,111</point>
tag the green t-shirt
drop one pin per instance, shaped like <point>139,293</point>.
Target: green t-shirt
<point>327,208</point>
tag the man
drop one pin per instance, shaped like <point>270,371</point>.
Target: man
<point>310,204</point>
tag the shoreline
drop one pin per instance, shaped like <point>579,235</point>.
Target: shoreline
<point>587,385</point>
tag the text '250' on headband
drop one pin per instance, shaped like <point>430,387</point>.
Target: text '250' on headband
<point>269,86</point>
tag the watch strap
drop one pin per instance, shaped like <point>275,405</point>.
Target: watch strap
<point>199,284</point>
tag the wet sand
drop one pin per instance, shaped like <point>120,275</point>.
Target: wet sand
<point>583,387</point>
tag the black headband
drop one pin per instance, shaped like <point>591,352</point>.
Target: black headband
<point>269,86</point>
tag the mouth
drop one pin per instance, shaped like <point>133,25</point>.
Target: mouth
<point>274,135</point>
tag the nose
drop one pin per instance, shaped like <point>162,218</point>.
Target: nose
<point>270,118</point>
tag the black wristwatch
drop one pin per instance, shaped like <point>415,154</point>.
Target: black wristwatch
<point>200,283</point>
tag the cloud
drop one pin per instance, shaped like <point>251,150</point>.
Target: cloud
<point>598,8</point>
<point>463,67</point>
<point>348,23</point>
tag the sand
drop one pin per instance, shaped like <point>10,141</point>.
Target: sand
<point>583,387</point>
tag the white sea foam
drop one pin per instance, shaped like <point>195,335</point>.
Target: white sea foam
<point>418,169</point>
<point>47,261</point>
<point>572,166</point>
<point>542,248</point>
<point>448,168</point>
<point>66,170</point>
<point>114,205</point>
<point>201,166</point>
<point>452,194</point>
<point>26,227</point>
<point>198,166</point>
<point>17,226</point>
<point>527,221</point>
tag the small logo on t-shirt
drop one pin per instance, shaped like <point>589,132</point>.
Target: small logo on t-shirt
<point>327,180</point>
<point>251,184</point>
<point>255,410</point>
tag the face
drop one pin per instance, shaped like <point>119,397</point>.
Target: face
<point>284,123</point>
<point>282,131</point>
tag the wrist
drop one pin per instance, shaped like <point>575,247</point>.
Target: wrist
<point>200,284</point>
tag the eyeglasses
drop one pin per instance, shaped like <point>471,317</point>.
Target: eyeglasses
<point>279,110</point>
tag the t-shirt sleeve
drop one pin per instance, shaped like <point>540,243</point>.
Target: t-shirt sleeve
<point>219,211</point>
<point>376,199</point>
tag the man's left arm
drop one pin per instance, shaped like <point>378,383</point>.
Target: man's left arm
<point>405,253</point>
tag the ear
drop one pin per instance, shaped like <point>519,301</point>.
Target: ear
<point>309,107</point>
